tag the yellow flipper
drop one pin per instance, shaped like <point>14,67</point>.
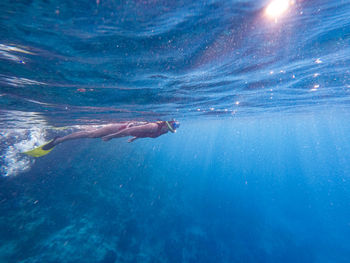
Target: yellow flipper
<point>38,152</point>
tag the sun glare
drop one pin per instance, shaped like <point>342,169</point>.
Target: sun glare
<point>276,8</point>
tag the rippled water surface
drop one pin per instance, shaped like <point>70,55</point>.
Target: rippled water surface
<point>77,60</point>
<point>257,172</point>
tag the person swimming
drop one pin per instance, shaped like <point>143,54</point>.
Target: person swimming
<point>136,129</point>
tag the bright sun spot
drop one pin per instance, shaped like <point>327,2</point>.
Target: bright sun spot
<point>276,8</point>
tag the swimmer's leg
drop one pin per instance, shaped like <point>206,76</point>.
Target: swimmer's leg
<point>97,133</point>
<point>76,135</point>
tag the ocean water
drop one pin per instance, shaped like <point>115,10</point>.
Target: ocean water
<point>259,170</point>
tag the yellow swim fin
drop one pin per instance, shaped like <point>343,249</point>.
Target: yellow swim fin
<point>39,151</point>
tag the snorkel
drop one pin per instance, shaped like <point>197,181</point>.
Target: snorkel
<point>172,125</point>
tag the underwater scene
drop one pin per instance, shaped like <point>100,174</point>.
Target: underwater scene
<point>163,131</point>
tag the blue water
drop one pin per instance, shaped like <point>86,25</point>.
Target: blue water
<point>259,170</point>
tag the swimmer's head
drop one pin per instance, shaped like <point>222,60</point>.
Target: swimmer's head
<point>172,125</point>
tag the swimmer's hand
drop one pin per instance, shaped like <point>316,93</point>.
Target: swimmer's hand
<point>132,139</point>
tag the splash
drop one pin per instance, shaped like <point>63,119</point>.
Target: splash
<point>15,141</point>
<point>13,161</point>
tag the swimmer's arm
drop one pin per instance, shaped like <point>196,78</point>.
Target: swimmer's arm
<point>133,131</point>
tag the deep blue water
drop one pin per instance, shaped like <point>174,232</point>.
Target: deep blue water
<point>258,171</point>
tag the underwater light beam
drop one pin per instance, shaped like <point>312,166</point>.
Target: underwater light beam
<point>276,8</point>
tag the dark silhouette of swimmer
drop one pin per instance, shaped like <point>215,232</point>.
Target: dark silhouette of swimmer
<point>136,129</point>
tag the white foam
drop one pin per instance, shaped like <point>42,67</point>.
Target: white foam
<point>15,140</point>
<point>14,162</point>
